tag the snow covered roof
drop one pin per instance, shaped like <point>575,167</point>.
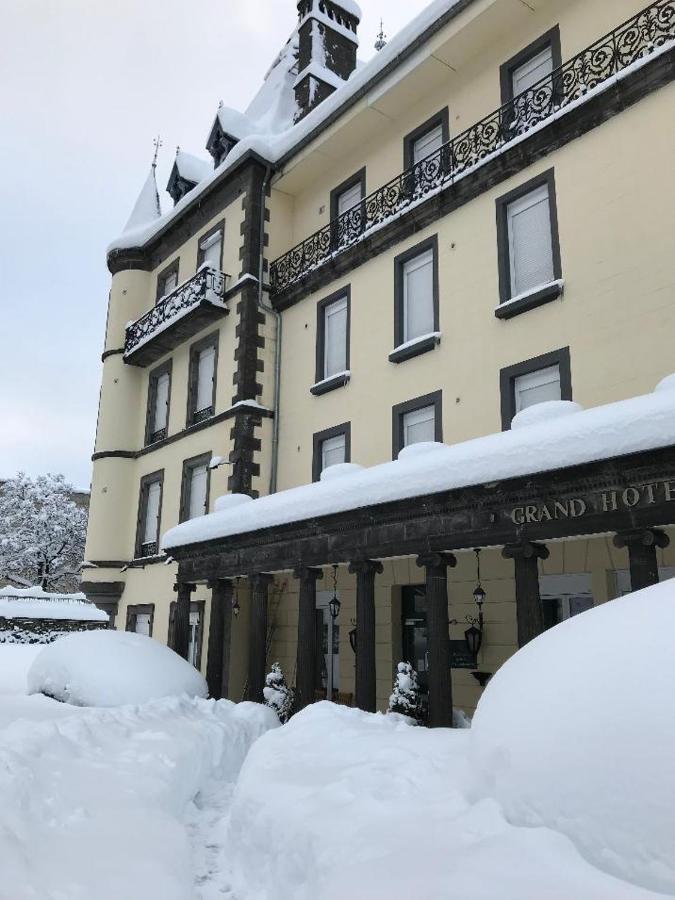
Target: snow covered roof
<point>192,168</point>
<point>34,603</point>
<point>268,126</point>
<point>544,438</point>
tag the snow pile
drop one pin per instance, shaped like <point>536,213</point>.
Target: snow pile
<point>34,603</point>
<point>97,804</point>
<point>586,747</point>
<point>580,436</point>
<point>112,668</point>
<point>340,803</point>
<point>192,168</point>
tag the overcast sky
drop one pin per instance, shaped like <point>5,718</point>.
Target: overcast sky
<point>85,85</point>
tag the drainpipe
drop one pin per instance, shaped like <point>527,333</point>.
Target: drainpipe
<point>277,350</point>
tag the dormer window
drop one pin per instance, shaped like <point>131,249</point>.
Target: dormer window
<point>186,174</point>
<point>220,143</point>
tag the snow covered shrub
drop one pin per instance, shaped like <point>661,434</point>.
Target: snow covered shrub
<point>406,699</point>
<point>278,695</point>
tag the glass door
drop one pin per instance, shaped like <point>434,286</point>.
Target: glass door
<point>329,654</point>
<point>414,628</point>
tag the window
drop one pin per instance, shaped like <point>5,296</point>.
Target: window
<point>167,280</point>
<point>528,248</point>
<point>542,378</point>
<point>211,248</point>
<point>196,632</point>
<point>159,392</point>
<point>331,447</point>
<point>531,65</point>
<point>149,515</point>
<point>537,387</point>
<point>347,198</point>
<point>416,299</point>
<point>202,386</point>
<point>332,342</point>
<point>417,420</point>
<point>428,138</point>
<point>564,596</point>
<point>140,618</point>
<point>195,485</point>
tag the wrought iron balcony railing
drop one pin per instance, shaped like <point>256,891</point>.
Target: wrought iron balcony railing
<point>206,288</point>
<point>627,45</point>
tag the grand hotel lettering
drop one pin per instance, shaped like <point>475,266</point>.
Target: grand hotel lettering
<point>608,501</point>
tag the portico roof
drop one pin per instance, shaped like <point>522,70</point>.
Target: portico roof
<point>546,438</point>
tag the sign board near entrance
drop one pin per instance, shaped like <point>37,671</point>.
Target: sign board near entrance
<point>460,657</point>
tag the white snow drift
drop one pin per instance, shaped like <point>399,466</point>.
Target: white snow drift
<point>112,668</point>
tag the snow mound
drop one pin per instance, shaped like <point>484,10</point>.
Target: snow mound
<point>100,804</point>
<point>576,732</point>
<point>230,501</point>
<point>666,384</point>
<point>548,411</point>
<point>112,668</point>
<point>340,470</point>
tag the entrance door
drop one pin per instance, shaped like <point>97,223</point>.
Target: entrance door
<point>329,654</point>
<point>564,596</point>
<point>414,627</point>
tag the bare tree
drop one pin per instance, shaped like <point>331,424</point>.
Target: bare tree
<point>42,532</point>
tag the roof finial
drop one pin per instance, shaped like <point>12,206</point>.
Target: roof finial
<point>157,143</point>
<point>381,41</point>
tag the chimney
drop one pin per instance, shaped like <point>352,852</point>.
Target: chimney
<point>327,53</point>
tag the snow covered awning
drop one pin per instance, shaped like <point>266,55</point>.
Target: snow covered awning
<point>34,603</point>
<point>556,437</point>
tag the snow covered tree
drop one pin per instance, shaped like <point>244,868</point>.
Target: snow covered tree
<point>406,698</point>
<point>278,695</point>
<point>42,532</point>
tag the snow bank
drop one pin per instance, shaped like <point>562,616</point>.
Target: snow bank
<point>112,668</point>
<point>15,661</point>
<point>586,747</point>
<point>95,806</point>
<point>579,436</point>
<point>340,803</point>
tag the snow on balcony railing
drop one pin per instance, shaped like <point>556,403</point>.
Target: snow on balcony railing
<point>627,45</point>
<point>207,286</point>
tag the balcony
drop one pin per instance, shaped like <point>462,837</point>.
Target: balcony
<point>628,46</point>
<point>177,317</point>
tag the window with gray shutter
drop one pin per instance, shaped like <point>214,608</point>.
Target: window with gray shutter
<point>530,241</point>
<point>418,296</point>
<point>335,337</point>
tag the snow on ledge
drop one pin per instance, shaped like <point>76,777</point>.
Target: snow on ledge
<point>436,335</point>
<point>559,283</point>
<point>616,429</point>
<point>34,603</point>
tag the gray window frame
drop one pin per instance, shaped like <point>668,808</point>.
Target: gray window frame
<point>323,385</point>
<point>166,368</point>
<point>507,309</point>
<point>508,375</point>
<point>220,227</point>
<point>203,459</point>
<point>398,356</point>
<point>172,268</point>
<point>442,118</point>
<point>400,410</point>
<point>211,340</point>
<point>317,445</point>
<point>146,481</point>
<point>549,38</point>
<point>139,609</point>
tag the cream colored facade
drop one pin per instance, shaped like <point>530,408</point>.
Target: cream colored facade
<point>616,315</point>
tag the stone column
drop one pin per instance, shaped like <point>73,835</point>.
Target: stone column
<point>642,544</point>
<point>365,571</point>
<point>305,679</point>
<point>181,624</point>
<point>257,643</point>
<point>218,660</point>
<point>438,626</point>
<point>529,613</point>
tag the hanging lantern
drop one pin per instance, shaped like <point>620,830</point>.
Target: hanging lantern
<point>474,635</point>
<point>334,604</point>
<point>235,600</point>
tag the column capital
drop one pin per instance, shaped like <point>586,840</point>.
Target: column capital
<point>261,580</point>
<point>641,537</point>
<point>436,560</point>
<point>366,567</point>
<point>184,586</point>
<point>525,550</point>
<point>214,583</point>
<point>307,574</point>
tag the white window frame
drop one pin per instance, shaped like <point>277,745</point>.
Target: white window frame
<point>424,259</point>
<point>341,305</point>
<point>331,444</point>
<point>525,69</point>
<point>150,532</point>
<point>202,470</point>
<point>160,412</point>
<point>210,241</point>
<point>535,197</point>
<point>430,139</point>
<point>204,386</point>
<point>418,417</point>
<point>538,379</point>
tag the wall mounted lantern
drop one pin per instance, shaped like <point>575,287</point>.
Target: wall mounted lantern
<point>334,603</point>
